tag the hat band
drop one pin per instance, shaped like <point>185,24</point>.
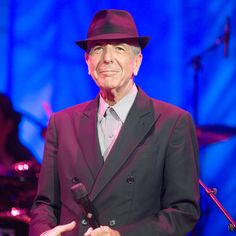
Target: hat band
<point>112,36</point>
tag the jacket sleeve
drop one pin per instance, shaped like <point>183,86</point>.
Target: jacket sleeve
<point>46,207</point>
<point>180,195</point>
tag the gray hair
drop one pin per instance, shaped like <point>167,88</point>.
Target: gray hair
<point>136,49</point>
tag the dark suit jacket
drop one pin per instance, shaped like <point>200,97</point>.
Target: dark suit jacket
<point>148,184</point>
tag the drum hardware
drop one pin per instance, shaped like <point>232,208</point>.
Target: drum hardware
<point>17,212</point>
<point>209,134</point>
<point>211,192</point>
<point>18,189</point>
<point>14,223</point>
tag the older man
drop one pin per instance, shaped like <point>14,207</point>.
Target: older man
<point>136,156</point>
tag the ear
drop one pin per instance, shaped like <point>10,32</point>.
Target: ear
<point>137,63</point>
<point>86,57</point>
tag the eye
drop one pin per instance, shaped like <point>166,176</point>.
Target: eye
<point>96,49</point>
<point>120,49</point>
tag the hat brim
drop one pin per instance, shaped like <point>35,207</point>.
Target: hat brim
<point>142,40</point>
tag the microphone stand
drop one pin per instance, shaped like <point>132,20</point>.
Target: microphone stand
<point>196,61</point>
<point>211,193</point>
<point>212,133</point>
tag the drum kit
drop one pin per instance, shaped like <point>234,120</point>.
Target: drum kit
<point>18,190</point>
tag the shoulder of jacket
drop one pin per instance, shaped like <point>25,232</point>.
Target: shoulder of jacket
<point>166,107</point>
<point>79,108</point>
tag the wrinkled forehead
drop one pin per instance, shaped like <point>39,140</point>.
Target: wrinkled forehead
<point>129,42</point>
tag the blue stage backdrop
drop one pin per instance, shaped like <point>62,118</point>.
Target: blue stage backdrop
<point>42,69</point>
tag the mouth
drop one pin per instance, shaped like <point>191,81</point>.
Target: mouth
<point>108,72</point>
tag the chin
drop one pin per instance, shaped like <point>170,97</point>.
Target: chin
<point>110,85</point>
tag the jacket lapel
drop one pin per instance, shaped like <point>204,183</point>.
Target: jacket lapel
<point>86,129</point>
<point>138,122</point>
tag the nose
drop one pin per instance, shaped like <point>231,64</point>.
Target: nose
<point>108,54</point>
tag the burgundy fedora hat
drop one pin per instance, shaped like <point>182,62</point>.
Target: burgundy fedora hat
<point>112,24</point>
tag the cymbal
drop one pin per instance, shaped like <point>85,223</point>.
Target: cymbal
<point>210,134</point>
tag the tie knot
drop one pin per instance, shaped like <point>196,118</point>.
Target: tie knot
<point>112,113</point>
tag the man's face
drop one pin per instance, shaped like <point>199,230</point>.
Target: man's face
<point>112,65</point>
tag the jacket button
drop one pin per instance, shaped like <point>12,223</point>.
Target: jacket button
<point>75,180</point>
<point>84,222</point>
<point>112,223</point>
<point>130,179</point>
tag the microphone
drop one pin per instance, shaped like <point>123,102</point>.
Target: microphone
<point>81,197</point>
<point>226,37</point>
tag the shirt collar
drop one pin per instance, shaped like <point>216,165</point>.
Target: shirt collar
<point>102,108</point>
<point>122,107</point>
